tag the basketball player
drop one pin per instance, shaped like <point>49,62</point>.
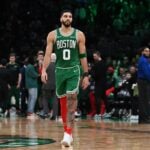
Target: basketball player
<point>69,45</point>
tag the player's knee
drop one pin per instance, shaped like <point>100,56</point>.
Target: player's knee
<point>72,97</point>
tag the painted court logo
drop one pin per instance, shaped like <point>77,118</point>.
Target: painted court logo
<point>17,141</point>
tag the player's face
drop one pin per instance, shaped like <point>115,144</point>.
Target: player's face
<point>66,19</point>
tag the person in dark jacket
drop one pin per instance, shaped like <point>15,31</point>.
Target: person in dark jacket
<point>99,75</point>
<point>49,92</point>
<point>4,85</point>
<point>23,89</point>
<point>15,79</point>
<point>143,76</point>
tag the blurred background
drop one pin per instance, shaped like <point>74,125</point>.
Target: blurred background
<point>114,27</point>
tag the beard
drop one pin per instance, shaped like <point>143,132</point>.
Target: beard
<point>66,23</point>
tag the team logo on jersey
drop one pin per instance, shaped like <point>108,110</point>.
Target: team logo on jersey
<point>17,141</point>
<point>66,44</point>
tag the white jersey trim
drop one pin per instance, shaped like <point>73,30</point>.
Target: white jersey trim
<point>68,67</point>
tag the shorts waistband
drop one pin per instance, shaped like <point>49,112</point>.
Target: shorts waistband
<point>67,67</point>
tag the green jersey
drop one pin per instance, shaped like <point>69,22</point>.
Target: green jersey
<point>66,49</point>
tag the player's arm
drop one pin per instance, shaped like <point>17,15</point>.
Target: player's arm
<point>83,59</point>
<point>47,57</point>
<point>82,51</point>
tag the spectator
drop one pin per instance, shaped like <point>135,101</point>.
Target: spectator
<point>49,92</point>
<point>99,76</point>
<point>4,85</point>
<point>15,79</point>
<point>143,76</point>
<point>32,87</point>
<point>38,66</point>
<point>23,89</point>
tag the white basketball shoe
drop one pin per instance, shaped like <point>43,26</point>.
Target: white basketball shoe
<point>67,140</point>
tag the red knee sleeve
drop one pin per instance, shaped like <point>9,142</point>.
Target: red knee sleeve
<point>63,107</point>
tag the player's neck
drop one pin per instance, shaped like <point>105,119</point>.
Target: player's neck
<point>66,30</point>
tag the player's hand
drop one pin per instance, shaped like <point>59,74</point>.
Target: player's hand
<point>44,77</point>
<point>85,82</point>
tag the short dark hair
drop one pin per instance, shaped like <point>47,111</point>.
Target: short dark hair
<point>141,49</point>
<point>97,52</point>
<point>65,10</point>
<point>12,54</point>
<point>30,60</point>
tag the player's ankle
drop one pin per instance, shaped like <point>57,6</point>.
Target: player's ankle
<point>69,131</point>
<point>65,128</point>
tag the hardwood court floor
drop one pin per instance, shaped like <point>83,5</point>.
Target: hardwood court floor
<point>22,134</point>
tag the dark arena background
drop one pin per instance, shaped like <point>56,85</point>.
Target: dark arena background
<point>114,27</point>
